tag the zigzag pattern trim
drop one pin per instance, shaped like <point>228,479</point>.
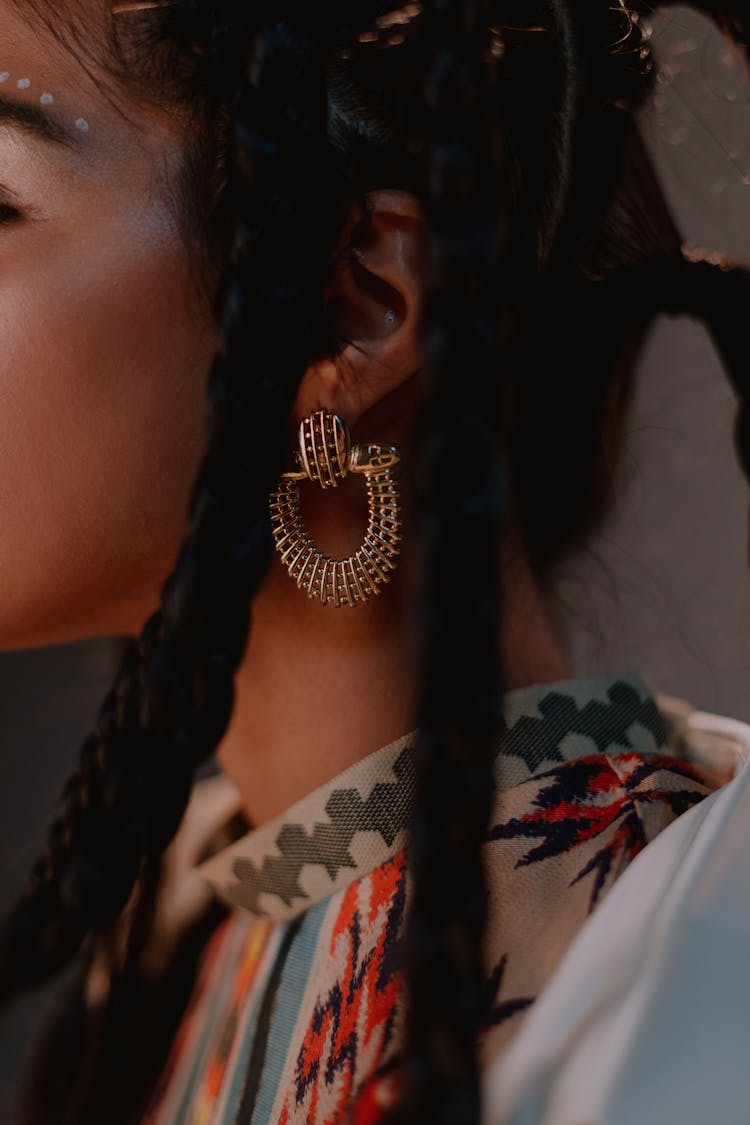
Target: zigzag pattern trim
<point>359,820</point>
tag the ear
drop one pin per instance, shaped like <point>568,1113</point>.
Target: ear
<point>374,301</point>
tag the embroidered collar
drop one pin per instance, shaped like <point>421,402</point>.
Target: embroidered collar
<point>359,819</point>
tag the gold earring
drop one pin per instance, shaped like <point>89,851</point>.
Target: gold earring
<point>325,455</point>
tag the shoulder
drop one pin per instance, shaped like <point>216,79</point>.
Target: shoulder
<point>656,981</point>
<point>718,743</point>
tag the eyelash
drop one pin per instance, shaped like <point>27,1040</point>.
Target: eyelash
<point>8,214</point>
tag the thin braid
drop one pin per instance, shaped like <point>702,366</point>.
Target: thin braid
<point>463,479</point>
<point>173,697</point>
<point>476,271</point>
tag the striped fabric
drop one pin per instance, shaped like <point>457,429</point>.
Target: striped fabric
<point>297,1013</point>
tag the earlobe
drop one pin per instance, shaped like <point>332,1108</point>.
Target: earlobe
<point>374,301</point>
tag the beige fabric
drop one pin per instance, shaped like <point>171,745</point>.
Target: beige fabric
<point>359,819</point>
<point>588,774</point>
<point>646,1020</point>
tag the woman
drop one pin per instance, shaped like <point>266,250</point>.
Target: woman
<point>434,225</point>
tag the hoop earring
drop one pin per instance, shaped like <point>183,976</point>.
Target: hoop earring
<point>325,455</point>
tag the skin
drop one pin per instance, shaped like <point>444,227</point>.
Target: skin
<point>105,348</point>
<point>107,343</point>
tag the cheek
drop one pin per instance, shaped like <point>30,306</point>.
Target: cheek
<point>102,388</point>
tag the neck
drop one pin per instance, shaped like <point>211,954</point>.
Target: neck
<point>320,688</point>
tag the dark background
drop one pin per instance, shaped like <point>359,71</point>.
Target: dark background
<point>664,589</point>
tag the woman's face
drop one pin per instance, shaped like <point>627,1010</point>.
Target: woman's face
<point>104,349</point>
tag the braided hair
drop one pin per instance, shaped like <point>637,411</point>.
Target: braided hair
<point>519,132</point>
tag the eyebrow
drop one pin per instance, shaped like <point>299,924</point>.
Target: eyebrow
<point>36,121</point>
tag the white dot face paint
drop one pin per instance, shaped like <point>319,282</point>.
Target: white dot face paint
<point>45,98</point>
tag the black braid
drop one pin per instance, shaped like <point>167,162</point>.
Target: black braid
<point>478,269</point>
<point>173,697</point>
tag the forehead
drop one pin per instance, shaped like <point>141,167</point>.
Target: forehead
<point>58,41</point>
<point>58,62</point>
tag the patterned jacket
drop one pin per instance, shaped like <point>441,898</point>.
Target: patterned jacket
<point>297,1011</point>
